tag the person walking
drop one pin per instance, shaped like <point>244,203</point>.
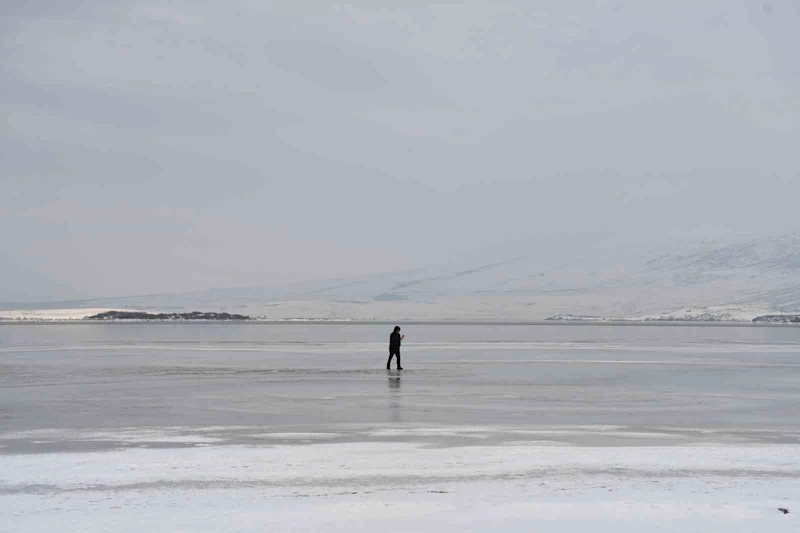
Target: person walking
<point>394,347</point>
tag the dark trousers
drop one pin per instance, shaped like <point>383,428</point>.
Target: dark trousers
<point>392,354</point>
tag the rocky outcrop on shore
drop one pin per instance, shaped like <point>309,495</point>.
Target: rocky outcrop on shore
<point>778,319</point>
<point>141,315</point>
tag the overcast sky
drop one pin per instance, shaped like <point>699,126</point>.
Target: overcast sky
<point>153,147</point>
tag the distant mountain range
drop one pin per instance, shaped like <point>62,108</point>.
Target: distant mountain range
<point>734,280</point>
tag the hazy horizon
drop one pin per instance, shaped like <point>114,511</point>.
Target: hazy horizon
<point>574,250</point>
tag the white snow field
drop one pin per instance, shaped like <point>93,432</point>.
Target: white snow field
<point>298,427</point>
<point>35,315</point>
<point>405,486</point>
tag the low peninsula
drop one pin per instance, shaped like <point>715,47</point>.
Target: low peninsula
<point>141,315</point>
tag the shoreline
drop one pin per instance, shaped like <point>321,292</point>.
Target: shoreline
<point>355,322</point>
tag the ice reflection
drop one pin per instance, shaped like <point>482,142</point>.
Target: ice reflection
<point>395,399</point>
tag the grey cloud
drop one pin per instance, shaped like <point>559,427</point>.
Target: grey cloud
<point>254,143</point>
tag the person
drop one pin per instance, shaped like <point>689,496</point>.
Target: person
<point>394,347</point>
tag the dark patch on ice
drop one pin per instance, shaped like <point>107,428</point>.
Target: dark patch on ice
<point>386,297</point>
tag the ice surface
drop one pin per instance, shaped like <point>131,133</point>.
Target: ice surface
<point>96,376</point>
<point>254,427</point>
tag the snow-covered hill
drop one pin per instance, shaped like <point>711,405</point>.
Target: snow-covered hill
<point>735,280</point>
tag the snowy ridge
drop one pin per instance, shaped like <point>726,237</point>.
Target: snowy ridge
<point>695,281</point>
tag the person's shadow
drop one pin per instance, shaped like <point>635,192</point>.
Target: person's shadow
<point>394,399</point>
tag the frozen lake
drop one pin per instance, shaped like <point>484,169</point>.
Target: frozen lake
<point>300,425</point>
<point>99,376</point>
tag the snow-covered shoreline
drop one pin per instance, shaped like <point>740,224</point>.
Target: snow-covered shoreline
<point>297,483</point>
<point>294,312</point>
<point>50,315</point>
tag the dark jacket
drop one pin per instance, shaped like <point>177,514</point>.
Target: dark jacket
<point>394,342</point>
